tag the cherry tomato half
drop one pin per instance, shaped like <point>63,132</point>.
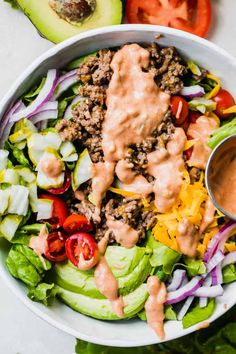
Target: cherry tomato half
<point>223,100</point>
<point>179,109</point>
<point>55,250</point>
<point>193,116</point>
<point>60,211</point>
<point>188,153</point>
<point>188,15</point>
<point>82,251</point>
<point>64,188</point>
<point>77,222</point>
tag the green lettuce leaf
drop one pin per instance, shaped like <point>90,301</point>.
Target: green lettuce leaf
<point>198,314</point>
<point>194,266</point>
<point>33,93</point>
<point>162,255</point>
<point>229,273</point>
<point>43,292</point>
<point>32,257</point>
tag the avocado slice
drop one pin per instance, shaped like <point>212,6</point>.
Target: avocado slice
<point>56,29</point>
<point>82,282</point>
<point>101,308</point>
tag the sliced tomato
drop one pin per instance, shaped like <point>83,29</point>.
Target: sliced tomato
<point>64,188</point>
<point>179,108</point>
<point>59,213</point>
<point>224,100</point>
<point>56,251</point>
<point>82,250</point>
<point>188,15</point>
<point>188,153</point>
<point>193,116</point>
<point>77,222</point>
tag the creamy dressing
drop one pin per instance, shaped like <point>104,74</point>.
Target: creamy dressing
<point>132,182</point>
<point>167,165</point>
<point>135,107</point>
<point>201,132</point>
<point>187,238</point>
<point>79,195</point>
<point>154,305</point>
<point>103,176</point>
<point>223,182</point>
<point>108,286</point>
<point>124,234</point>
<point>203,325</point>
<point>39,243</point>
<point>135,104</point>
<point>208,216</point>
<point>51,167</point>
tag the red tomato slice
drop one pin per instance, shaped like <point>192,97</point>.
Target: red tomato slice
<point>60,211</point>
<point>77,222</point>
<point>188,15</point>
<point>188,153</point>
<point>224,100</point>
<point>82,251</point>
<point>56,251</point>
<point>179,109</point>
<point>64,188</point>
<point>193,116</point>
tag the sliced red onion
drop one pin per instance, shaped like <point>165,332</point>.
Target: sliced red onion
<point>42,125</point>
<point>216,275</point>
<point>214,261</point>
<point>178,277</point>
<point>44,95</point>
<point>185,291</point>
<point>230,258</point>
<point>68,111</point>
<point>185,308</point>
<point>207,283</point>
<point>206,291</point>
<point>218,241</point>
<point>64,82</point>
<point>192,91</point>
<point>44,115</point>
<point>6,125</point>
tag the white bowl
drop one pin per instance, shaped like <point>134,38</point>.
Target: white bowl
<point>133,332</point>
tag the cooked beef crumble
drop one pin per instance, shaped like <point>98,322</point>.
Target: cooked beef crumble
<point>168,68</point>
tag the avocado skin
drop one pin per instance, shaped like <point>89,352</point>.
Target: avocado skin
<point>50,26</point>
<point>101,308</point>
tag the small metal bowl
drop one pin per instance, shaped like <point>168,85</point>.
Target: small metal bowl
<point>220,156</point>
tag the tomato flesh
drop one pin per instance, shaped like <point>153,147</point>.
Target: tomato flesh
<point>179,108</point>
<point>193,116</point>
<point>188,15</point>
<point>82,250</point>
<point>77,222</point>
<point>64,188</point>
<point>223,101</point>
<point>59,213</point>
<point>55,250</point>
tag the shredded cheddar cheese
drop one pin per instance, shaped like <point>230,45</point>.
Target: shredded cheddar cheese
<point>191,205</point>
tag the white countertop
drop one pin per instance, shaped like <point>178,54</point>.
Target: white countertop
<point>21,332</point>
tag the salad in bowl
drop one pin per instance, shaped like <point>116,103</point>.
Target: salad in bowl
<point>102,189</point>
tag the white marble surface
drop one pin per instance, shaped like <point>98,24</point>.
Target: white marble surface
<point>21,332</point>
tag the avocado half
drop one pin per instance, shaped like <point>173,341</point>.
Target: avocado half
<point>52,27</point>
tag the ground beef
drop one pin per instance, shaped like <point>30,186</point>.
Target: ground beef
<point>194,174</point>
<point>137,154</point>
<point>168,68</point>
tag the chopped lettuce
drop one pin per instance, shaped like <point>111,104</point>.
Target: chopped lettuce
<point>31,95</point>
<point>162,255</point>
<point>43,292</point>
<point>229,273</point>
<point>194,266</point>
<point>198,314</point>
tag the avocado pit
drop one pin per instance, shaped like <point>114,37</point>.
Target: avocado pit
<point>73,11</point>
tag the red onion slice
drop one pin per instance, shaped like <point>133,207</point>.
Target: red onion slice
<point>44,95</point>
<point>178,277</point>
<point>218,241</point>
<point>229,259</point>
<point>207,283</point>
<point>206,291</point>
<point>192,91</point>
<point>216,275</point>
<point>214,261</point>
<point>65,82</point>
<point>185,308</point>
<point>68,111</point>
<point>187,290</point>
<point>44,115</point>
<point>5,122</point>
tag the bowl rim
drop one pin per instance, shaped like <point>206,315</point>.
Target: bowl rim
<point>6,102</point>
